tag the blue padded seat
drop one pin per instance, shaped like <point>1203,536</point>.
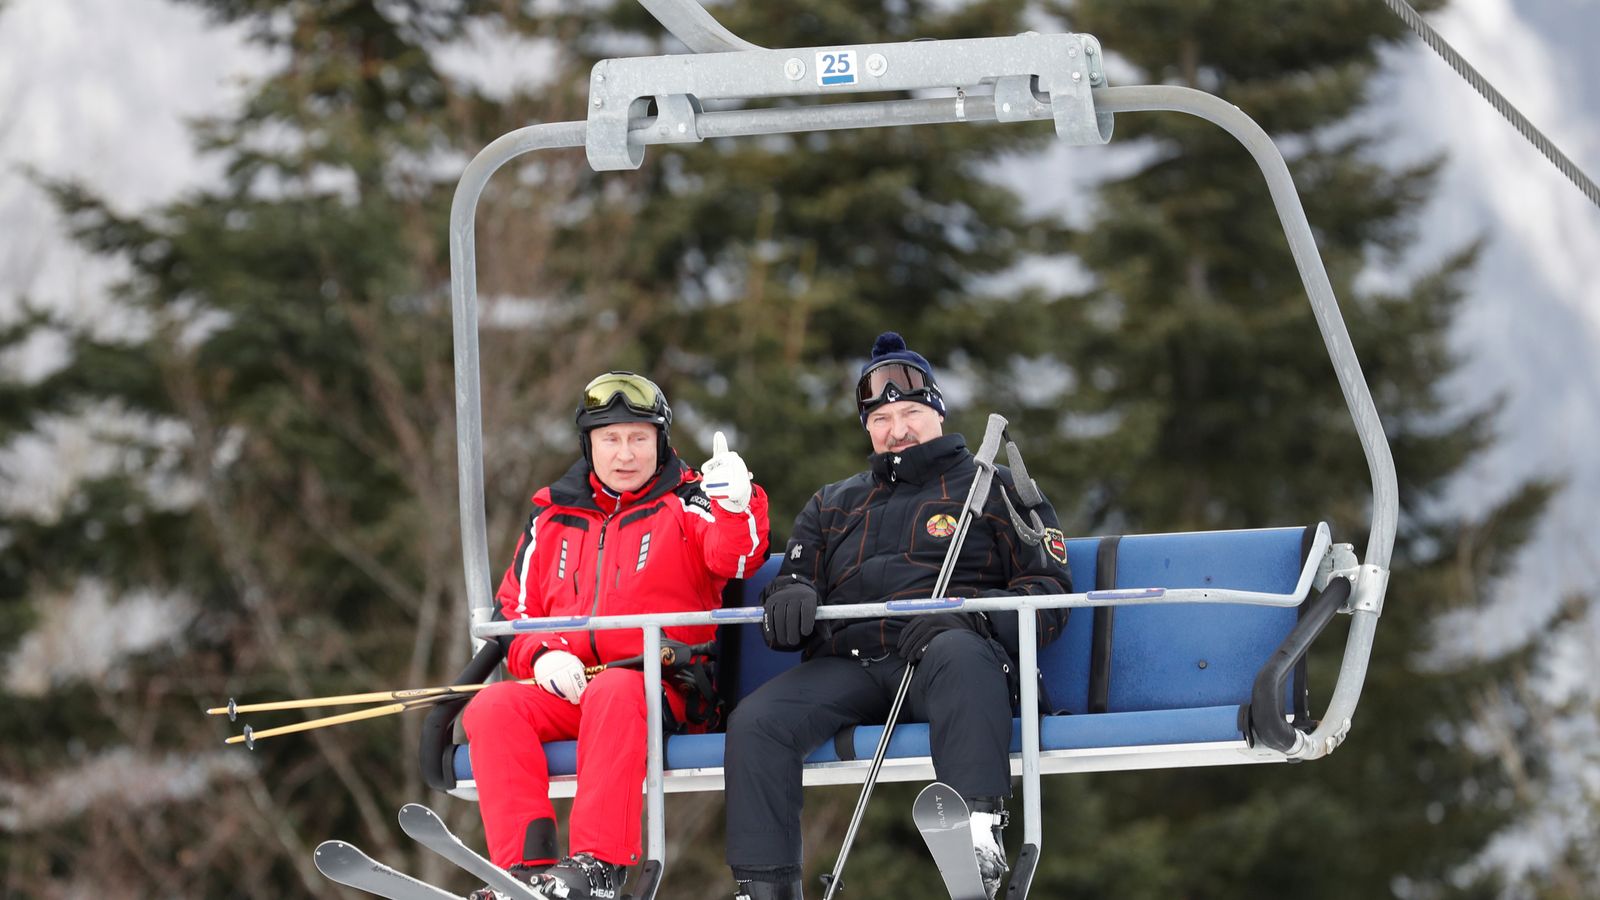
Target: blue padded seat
<point>1178,674</point>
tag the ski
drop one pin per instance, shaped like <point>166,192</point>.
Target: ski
<point>941,815</point>
<point>426,828</point>
<point>347,865</point>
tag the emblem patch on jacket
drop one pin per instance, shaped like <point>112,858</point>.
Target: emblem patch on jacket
<point>1055,544</point>
<point>942,525</point>
<point>644,551</point>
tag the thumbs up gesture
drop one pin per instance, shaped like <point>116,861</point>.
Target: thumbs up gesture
<point>727,479</point>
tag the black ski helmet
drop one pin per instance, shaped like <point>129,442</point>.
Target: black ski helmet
<point>617,397</point>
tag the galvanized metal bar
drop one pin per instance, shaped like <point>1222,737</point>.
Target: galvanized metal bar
<point>655,755</point>
<point>1358,398</point>
<point>1324,306</point>
<point>1028,644</point>
<point>464,324</point>
<point>691,23</point>
<point>751,615</point>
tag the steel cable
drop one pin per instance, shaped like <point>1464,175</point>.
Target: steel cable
<point>1534,136</point>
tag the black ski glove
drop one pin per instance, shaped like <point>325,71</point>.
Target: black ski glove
<point>921,630</point>
<point>789,613</point>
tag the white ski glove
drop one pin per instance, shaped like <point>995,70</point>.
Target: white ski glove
<point>561,673</point>
<point>727,479</point>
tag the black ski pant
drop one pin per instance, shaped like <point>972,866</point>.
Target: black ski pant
<point>960,689</point>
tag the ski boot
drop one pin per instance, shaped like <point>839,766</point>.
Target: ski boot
<point>769,890</point>
<point>521,872</point>
<point>581,877</point>
<point>989,848</point>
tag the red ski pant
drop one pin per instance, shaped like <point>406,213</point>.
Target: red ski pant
<point>507,724</point>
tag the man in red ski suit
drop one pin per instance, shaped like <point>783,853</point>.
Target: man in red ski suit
<point>629,529</point>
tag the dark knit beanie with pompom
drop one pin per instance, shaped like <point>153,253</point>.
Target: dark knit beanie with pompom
<point>891,347</point>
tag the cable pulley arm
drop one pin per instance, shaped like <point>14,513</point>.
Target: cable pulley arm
<point>689,22</point>
<point>1033,76</point>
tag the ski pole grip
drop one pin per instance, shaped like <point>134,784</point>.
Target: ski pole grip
<point>991,439</point>
<point>1027,488</point>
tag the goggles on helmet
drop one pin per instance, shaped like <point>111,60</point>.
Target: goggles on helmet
<point>636,393</point>
<point>891,381</point>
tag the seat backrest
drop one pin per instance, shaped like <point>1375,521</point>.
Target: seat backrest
<point>1156,657</point>
<point>745,662</point>
<point>1199,655</point>
<point>1064,662</point>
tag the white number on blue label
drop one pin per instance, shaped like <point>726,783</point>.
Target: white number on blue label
<point>836,67</point>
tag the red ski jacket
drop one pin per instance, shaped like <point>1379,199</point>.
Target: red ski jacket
<point>664,548</point>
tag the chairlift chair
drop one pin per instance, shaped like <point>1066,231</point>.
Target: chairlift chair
<point>1162,703</point>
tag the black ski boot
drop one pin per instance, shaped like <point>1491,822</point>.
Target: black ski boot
<point>769,890</point>
<point>521,872</point>
<point>581,877</point>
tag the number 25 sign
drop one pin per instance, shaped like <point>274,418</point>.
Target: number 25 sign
<point>836,67</point>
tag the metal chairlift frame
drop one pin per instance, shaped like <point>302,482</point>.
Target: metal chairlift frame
<point>1026,77</point>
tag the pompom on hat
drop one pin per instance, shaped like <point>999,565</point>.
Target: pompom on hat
<point>896,372</point>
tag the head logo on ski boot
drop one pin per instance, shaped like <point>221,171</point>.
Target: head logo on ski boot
<point>580,877</point>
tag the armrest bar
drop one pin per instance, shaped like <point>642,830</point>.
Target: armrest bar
<point>1266,722</point>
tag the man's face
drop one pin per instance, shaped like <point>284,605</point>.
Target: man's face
<point>904,423</point>
<point>624,455</point>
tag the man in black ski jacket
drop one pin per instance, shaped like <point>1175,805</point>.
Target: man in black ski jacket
<point>883,535</point>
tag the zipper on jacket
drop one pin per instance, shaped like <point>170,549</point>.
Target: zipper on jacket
<point>599,562</point>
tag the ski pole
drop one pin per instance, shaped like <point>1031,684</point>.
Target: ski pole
<point>412,699</point>
<point>437,693</point>
<point>670,651</point>
<point>833,880</point>
<point>976,495</point>
<point>250,735</point>
<point>669,654</point>
<point>1031,530</point>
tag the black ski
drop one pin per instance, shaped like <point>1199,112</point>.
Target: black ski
<point>942,817</point>
<point>347,865</point>
<point>426,828</point>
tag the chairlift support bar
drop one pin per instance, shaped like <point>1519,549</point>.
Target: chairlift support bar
<point>689,22</point>
<point>1028,77</point>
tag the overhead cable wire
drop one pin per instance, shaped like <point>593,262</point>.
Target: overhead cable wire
<point>1430,37</point>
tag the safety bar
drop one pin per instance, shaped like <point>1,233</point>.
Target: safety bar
<point>1150,596</point>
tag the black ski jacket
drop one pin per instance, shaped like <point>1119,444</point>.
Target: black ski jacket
<point>883,535</point>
